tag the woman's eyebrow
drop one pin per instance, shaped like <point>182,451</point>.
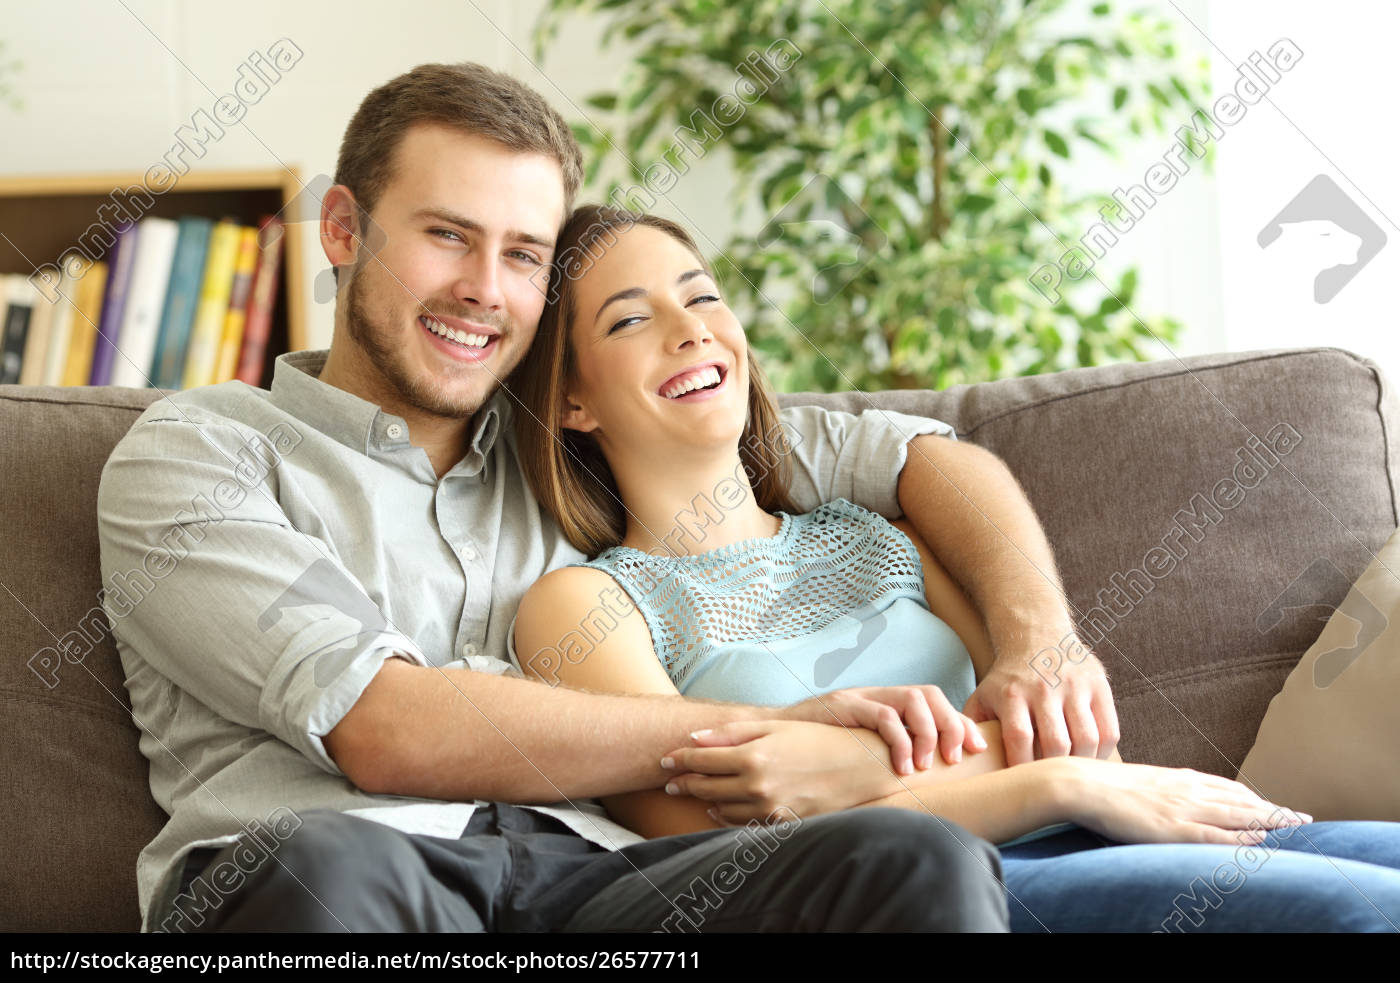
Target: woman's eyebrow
<point>633,292</point>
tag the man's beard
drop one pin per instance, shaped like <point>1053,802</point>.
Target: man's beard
<point>423,394</point>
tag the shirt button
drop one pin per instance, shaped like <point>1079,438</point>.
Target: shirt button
<point>468,552</point>
<point>394,431</point>
<point>469,650</point>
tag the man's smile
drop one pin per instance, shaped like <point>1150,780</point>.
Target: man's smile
<point>465,341</point>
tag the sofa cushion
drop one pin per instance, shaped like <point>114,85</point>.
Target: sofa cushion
<point>1327,743</point>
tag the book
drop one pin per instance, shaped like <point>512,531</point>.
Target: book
<point>208,330</point>
<point>87,312</point>
<point>186,275</point>
<point>60,331</point>
<point>4,308</point>
<point>237,316</point>
<point>260,304</point>
<point>145,300</point>
<point>20,296</point>
<point>104,354</point>
<point>36,346</point>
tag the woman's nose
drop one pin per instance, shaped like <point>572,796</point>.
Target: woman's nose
<point>689,330</point>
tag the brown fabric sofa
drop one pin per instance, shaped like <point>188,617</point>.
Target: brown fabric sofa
<point>1108,457</point>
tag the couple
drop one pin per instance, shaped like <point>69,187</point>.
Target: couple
<point>322,680</point>
<point>640,397</point>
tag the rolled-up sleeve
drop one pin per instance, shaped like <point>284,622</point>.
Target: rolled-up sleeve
<point>856,456</point>
<point>206,580</point>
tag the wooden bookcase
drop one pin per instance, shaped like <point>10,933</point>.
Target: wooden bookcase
<point>42,217</point>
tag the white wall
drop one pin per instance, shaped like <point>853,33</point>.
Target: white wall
<point>1333,114</point>
<point>105,88</point>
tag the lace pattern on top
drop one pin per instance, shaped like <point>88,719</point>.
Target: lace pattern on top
<point>819,567</point>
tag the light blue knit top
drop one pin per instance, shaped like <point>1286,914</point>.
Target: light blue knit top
<point>834,600</point>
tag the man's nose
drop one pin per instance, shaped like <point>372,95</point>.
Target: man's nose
<point>479,282</point>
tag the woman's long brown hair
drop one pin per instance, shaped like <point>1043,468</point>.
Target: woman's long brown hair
<point>566,468</point>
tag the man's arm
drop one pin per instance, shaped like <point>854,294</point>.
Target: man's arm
<point>458,734</point>
<point>1044,687</point>
<point>462,734</point>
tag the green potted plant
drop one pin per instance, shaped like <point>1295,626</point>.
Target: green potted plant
<point>908,160</point>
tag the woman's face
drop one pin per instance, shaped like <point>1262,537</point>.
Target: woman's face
<point>661,360</point>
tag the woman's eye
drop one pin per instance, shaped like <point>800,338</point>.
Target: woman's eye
<point>626,322</point>
<point>705,299</point>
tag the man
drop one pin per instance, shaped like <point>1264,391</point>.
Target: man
<point>325,575</point>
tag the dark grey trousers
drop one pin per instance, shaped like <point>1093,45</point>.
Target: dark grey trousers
<point>515,870</point>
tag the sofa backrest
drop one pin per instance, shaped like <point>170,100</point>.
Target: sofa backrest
<point>1108,457</point>
<point>77,798</point>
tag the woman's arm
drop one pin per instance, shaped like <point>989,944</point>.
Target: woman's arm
<point>1124,802</point>
<point>622,661</point>
<point>1127,803</point>
<point>827,763</point>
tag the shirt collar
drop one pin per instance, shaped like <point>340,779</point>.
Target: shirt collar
<point>358,423</point>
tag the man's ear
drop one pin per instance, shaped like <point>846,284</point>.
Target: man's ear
<point>577,417</point>
<point>339,228</point>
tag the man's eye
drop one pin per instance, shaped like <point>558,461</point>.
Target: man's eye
<point>445,232</point>
<point>527,257</point>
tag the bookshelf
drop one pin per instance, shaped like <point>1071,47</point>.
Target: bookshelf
<point>42,217</point>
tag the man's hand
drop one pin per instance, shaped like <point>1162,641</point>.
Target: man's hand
<point>913,720</point>
<point>1048,711</point>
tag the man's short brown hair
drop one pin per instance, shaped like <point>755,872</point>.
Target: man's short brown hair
<point>468,97</point>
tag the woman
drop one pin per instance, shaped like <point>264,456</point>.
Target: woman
<point>641,406</point>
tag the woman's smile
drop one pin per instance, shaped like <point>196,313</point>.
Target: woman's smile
<point>696,384</point>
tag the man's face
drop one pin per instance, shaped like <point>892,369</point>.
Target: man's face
<point>465,224</point>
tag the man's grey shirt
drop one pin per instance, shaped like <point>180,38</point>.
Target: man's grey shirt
<point>264,552</point>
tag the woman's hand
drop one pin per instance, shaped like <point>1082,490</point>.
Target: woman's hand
<point>913,720</point>
<point>752,769</point>
<point>1147,804</point>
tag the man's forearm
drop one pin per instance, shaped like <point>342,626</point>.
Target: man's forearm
<point>459,734</point>
<point>971,511</point>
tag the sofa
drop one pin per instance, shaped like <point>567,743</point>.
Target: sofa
<point>1126,466</point>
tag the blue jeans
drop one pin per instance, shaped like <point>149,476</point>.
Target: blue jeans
<point>1318,877</point>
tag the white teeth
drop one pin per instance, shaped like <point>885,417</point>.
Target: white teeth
<point>460,337</point>
<point>698,380</point>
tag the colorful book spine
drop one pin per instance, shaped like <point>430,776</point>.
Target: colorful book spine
<point>264,296</point>
<point>87,311</point>
<point>186,275</point>
<point>20,296</point>
<point>61,331</point>
<point>36,346</point>
<point>208,331</point>
<point>145,300</point>
<point>244,268</point>
<point>104,355</point>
